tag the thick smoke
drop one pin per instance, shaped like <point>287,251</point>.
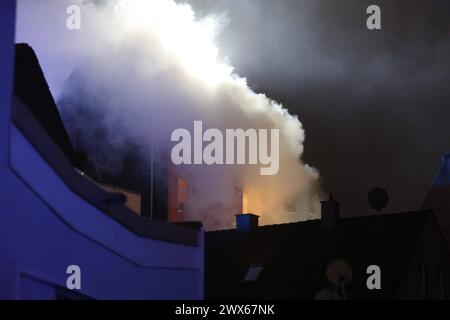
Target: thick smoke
<point>149,67</point>
<point>374,103</point>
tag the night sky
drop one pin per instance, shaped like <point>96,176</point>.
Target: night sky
<point>375,104</point>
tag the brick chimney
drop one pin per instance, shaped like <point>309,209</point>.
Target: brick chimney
<point>329,212</point>
<point>246,221</point>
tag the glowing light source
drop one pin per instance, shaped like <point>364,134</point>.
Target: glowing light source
<point>175,27</point>
<point>244,203</point>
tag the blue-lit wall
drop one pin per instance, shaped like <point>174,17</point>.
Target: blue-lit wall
<point>45,227</point>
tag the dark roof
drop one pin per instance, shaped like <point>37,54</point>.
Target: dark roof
<point>31,87</point>
<point>295,256</point>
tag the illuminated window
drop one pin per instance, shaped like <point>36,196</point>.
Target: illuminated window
<point>253,272</point>
<point>182,195</point>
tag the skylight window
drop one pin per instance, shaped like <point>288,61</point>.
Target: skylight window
<point>253,272</point>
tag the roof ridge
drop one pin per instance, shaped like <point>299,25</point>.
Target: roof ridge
<point>276,225</point>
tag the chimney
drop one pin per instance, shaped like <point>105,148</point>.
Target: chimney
<point>246,221</point>
<point>330,212</point>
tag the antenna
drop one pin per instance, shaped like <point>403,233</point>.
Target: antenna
<point>152,172</point>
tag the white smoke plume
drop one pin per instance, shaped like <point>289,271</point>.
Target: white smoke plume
<point>152,67</point>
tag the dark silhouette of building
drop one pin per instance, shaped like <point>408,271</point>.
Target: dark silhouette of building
<point>289,261</point>
<point>31,87</point>
<point>148,173</point>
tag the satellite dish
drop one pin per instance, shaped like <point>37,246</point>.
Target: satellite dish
<point>339,272</point>
<point>378,198</point>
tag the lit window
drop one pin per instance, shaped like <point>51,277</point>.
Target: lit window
<point>182,195</point>
<point>253,272</point>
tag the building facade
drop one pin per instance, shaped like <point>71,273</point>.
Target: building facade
<point>52,217</point>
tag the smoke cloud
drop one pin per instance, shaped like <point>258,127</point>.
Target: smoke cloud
<point>146,68</point>
<point>374,103</point>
